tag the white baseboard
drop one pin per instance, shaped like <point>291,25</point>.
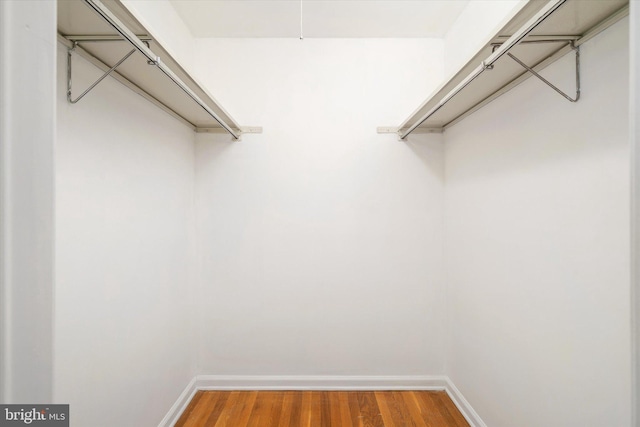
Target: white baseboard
<point>180,405</point>
<point>322,382</point>
<point>463,405</point>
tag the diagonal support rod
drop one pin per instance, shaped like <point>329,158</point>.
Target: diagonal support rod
<point>69,98</point>
<point>576,49</point>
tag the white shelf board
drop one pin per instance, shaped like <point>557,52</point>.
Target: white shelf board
<point>75,18</point>
<point>579,20</point>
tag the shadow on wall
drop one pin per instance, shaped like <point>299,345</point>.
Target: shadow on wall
<point>428,149</point>
<point>217,143</point>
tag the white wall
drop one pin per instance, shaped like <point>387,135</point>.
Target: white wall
<point>320,241</point>
<point>124,248</point>
<point>27,136</point>
<point>165,26</point>
<point>475,26</point>
<point>537,247</point>
<point>634,139</point>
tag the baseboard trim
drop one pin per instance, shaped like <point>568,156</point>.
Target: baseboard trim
<point>463,405</point>
<point>180,405</point>
<point>322,382</point>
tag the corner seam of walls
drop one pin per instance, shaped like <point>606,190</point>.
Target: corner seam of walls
<point>195,264</point>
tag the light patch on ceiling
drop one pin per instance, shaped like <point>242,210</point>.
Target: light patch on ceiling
<point>320,18</point>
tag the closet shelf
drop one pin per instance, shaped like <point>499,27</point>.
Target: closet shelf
<point>106,33</point>
<point>539,34</point>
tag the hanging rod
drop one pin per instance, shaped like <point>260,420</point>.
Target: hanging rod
<point>128,35</point>
<point>487,64</point>
<point>126,82</point>
<point>102,38</point>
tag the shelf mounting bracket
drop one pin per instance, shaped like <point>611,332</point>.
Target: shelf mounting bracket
<point>94,84</point>
<point>576,50</point>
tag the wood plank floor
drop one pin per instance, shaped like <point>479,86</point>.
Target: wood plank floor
<point>321,408</point>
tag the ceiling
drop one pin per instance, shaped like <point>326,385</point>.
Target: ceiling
<point>319,18</point>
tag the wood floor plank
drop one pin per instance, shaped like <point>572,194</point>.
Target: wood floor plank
<point>345,412</point>
<point>430,410</point>
<point>243,416</point>
<point>296,410</point>
<point>354,408</point>
<point>382,397</point>
<point>261,413</point>
<point>334,409</point>
<point>369,410</point>
<point>203,409</point>
<point>276,409</point>
<point>453,410</point>
<point>216,409</point>
<point>321,409</point>
<point>286,409</point>
<point>325,408</point>
<point>453,418</point>
<point>413,408</point>
<point>444,413</point>
<point>305,410</point>
<point>232,406</point>
<point>189,410</point>
<point>426,411</point>
<point>316,409</point>
<point>396,409</point>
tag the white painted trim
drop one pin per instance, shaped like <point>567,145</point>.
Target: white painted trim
<point>463,405</point>
<point>180,405</point>
<point>320,382</point>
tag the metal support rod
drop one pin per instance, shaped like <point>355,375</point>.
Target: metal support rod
<point>538,18</point>
<point>124,81</point>
<point>551,85</point>
<point>537,41</point>
<point>106,14</point>
<point>96,38</point>
<point>73,101</point>
<point>532,38</point>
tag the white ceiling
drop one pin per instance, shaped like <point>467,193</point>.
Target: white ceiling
<point>320,18</point>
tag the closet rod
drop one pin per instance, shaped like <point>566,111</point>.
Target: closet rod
<point>487,64</point>
<point>106,14</point>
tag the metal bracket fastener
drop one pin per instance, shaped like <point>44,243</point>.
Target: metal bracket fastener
<point>387,129</point>
<point>69,83</point>
<point>576,49</point>
<point>397,131</point>
<point>251,129</point>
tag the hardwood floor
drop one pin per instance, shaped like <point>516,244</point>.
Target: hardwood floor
<point>321,408</point>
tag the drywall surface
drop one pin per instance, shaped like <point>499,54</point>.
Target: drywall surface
<point>124,218</point>
<point>166,26</point>
<point>475,26</point>
<point>27,137</point>
<point>320,241</point>
<point>634,134</point>
<point>537,248</point>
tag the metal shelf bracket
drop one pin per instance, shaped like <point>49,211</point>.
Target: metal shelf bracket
<point>576,50</point>
<point>94,84</point>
